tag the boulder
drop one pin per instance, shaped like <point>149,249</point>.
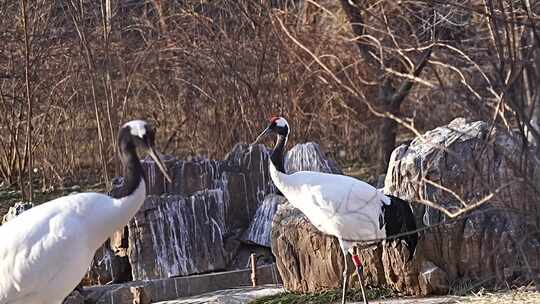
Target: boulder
<point>246,182</point>
<point>496,242</point>
<point>176,235</point>
<point>74,298</point>
<point>196,222</point>
<point>259,230</point>
<point>108,266</point>
<point>308,157</point>
<point>307,260</point>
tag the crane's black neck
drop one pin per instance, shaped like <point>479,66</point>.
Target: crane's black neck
<point>133,171</point>
<point>278,155</point>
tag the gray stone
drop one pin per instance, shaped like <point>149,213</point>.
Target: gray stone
<point>308,157</point>
<point>177,235</point>
<point>108,266</point>
<point>193,224</point>
<point>74,298</point>
<point>492,243</point>
<point>260,228</point>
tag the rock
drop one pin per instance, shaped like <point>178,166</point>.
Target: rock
<point>15,210</point>
<point>242,259</point>
<point>492,243</point>
<point>259,230</point>
<point>194,224</point>
<point>74,298</point>
<point>174,235</point>
<point>308,157</point>
<point>432,279</point>
<point>108,266</point>
<point>140,295</point>
<point>247,183</point>
<point>306,259</point>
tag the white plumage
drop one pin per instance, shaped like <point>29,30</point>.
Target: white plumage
<point>338,205</point>
<point>45,251</point>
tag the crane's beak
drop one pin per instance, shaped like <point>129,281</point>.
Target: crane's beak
<point>159,162</point>
<point>262,135</point>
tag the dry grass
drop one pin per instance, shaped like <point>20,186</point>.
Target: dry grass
<point>202,70</point>
<point>520,295</point>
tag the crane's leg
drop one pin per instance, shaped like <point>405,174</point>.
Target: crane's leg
<point>359,271</point>
<point>344,277</point>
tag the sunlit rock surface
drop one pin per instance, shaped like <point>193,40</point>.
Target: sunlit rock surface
<point>308,157</point>
<point>177,235</point>
<point>196,223</point>
<point>260,228</point>
<point>307,259</point>
<point>498,243</point>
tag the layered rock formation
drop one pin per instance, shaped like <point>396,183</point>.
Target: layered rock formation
<point>176,235</point>
<point>198,223</point>
<point>498,242</point>
<point>260,228</point>
<point>309,157</point>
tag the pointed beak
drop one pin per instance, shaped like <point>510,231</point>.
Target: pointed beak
<point>159,162</point>
<point>262,135</point>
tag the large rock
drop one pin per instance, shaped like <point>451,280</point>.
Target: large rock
<point>496,243</point>
<point>306,259</point>
<point>74,298</point>
<point>260,228</point>
<point>302,157</point>
<point>195,224</point>
<point>174,235</point>
<point>308,157</point>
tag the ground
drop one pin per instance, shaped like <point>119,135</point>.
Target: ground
<point>276,294</point>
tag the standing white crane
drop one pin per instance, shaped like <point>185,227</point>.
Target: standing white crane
<point>349,209</point>
<point>45,251</point>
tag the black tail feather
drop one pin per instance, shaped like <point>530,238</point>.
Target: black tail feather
<point>399,219</point>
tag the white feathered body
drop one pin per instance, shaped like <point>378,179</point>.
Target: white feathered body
<point>45,251</point>
<point>338,205</point>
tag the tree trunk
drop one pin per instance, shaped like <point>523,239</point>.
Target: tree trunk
<point>390,97</point>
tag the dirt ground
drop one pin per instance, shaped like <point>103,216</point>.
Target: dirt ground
<point>247,294</point>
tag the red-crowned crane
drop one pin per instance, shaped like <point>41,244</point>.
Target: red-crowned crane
<point>45,251</point>
<point>347,208</point>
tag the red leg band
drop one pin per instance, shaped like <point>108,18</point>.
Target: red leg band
<point>356,260</point>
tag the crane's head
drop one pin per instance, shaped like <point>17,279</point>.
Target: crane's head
<point>277,125</point>
<point>139,133</point>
